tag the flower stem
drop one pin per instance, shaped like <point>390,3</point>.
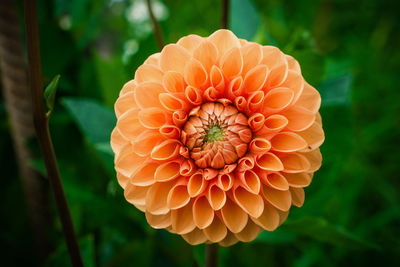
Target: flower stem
<point>156,27</point>
<point>225,14</point>
<point>42,131</point>
<point>211,255</point>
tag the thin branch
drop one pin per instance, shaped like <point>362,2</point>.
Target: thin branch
<point>211,255</point>
<point>156,26</point>
<point>42,130</point>
<point>225,14</point>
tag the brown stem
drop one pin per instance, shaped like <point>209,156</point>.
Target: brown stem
<point>225,14</point>
<point>156,27</point>
<point>19,108</point>
<point>211,255</point>
<point>42,130</point>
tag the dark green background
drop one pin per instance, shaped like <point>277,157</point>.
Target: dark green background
<point>348,50</point>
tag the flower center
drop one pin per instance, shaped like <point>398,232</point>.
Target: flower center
<point>216,135</point>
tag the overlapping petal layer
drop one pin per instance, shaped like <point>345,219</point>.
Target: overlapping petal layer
<point>216,138</point>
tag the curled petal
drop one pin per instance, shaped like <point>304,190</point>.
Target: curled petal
<point>190,42</point>
<point>224,40</point>
<point>269,162</point>
<point>211,94</point>
<point>148,73</point>
<point>259,145</point>
<point>127,161</point>
<point>281,200</point>
<point>240,103</point>
<point>144,175</point>
<point>299,118</point>
<point>195,237</point>
<point>170,131</point>
<point>288,142</point>
<point>275,180</point>
<point>235,88</point>
<point>128,124</point>
<point>178,196</point>
<point>277,100</point>
<point>250,181</point>
<point>169,149</point>
<point>234,217</point>
<point>179,117</point>
<point>172,102</point>
<point>217,231</point>
<point>146,141</point>
<point>216,196</point>
<point>187,168</point>
<point>297,196</point>
<point>182,220</point>
<point>295,163</point>
<point>217,78</point>
<point>193,95</point>
<point>195,74</point>
<point>156,198</point>
<point>206,53</point>
<point>167,171</point>
<point>255,101</point>
<point>225,181</point>
<point>295,82</point>
<point>196,184</point>
<point>174,57</point>
<point>159,221</point>
<point>252,204</point>
<point>203,214</point>
<point>252,54</point>
<point>277,76</point>
<point>152,118</point>
<point>298,179</point>
<point>256,78</point>
<point>246,163</point>
<point>275,123</point>
<point>269,219</point>
<point>146,94</point>
<point>136,194</point>
<point>249,233</point>
<point>232,63</point>
<point>256,121</point>
<point>173,82</point>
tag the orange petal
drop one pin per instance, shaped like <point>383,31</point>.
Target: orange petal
<point>193,95</point>
<point>249,233</point>
<point>235,88</point>
<point>232,63</point>
<point>295,82</point>
<point>146,94</point>
<point>277,99</point>
<point>251,203</point>
<point>225,181</point>
<point>246,163</point>
<point>187,167</point>
<point>178,197</point>
<point>298,179</point>
<point>297,196</point>
<point>270,162</point>
<point>159,221</point>
<point>256,121</point>
<point>293,64</point>
<point>148,73</point>
<point>281,200</point>
<point>136,194</point>
<point>314,158</point>
<point>190,42</point>
<point>255,102</point>
<point>240,103</point>
<point>167,171</point>
<point>275,180</point>
<point>299,118</point>
<point>252,54</point>
<point>259,145</point>
<point>224,40</point>
<point>152,118</point>
<point>288,142</point>
<point>156,198</point>
<point>216,231</point>
<point>173,82</point>
<point>128,87</point>
<point>128,124</point>
<point>294,163</point>
<point>146,141</point>
<point>275,123</point>
<point>127,161</point>
<point>216,196</point>
<point>272,56</point>
<point>277,75</point>
<point>269,219</point>
<point>196,184</point>
<point>313,135</point>
<point>195,237</point>
<point>124,103</point>
<point>203,214</point>
<point>117,140</point>
<point>250,181</point>
<point>229,240</point>
<point>154,59</point>
<point>195,74</point>
<point>179,117</point>
<point>234,217</point>
<point>256,78</point>
<point>172,102</point>
<point>174,57</point>
<point>144,175</point>
<point>217,79</point>
<point>206,53</point>
<point>310,99</point>
<point>170,131</point>
<point>182,220</point>
<point>167,150</point>
<point>123,180</point>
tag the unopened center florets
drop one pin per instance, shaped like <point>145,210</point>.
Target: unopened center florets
<point>216,135</point>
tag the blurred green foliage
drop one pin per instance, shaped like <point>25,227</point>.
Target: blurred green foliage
<point>348,49</point>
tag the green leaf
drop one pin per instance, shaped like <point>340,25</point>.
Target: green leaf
<point>244,19</point>
<point>95,120</point>
<point>50,93</point>
<point>319,229</point>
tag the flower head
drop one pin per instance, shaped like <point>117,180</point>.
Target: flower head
<point>216,138</point>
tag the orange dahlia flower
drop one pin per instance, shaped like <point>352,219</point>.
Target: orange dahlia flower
<point>216,138</point>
